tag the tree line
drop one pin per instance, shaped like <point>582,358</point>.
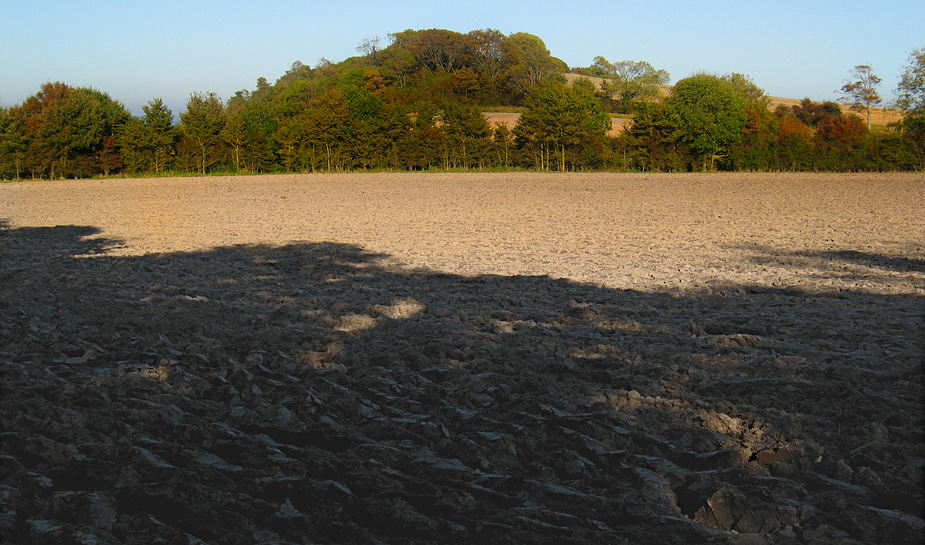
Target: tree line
<point>417,102</point>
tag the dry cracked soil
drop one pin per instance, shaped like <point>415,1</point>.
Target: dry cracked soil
<point>463,358</point>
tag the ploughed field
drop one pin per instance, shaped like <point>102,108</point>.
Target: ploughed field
<point>463,358</point>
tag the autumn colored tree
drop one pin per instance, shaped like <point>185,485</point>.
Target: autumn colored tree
<point>412,105</point>
<point>794,144</point>
<point>861,90</point>
<point>64,130</point>
<point>839,141</point>
<point>809,112</point>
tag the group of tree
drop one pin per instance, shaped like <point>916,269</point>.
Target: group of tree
<point>417,103</point>
<point>709,121</point>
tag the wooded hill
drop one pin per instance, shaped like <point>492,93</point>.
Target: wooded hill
<point>415,102</point>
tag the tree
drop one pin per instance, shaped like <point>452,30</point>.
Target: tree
<point>861,93</point>
<point>134,145</point>
<point>838,140</point>
<point>709,112</point>
<point>488,60</point>
<point>438,49</point>
<point>203,121</point>
<point>66,129</point>
<point>559,118</point>
<point>467,133</point>
<point>12,144</point>
<point>809,112</point>
<point>794,144</point>
<point>654,140</point>
<point>755,147</point>
<point>370,48</point>
<point>911,97</point>
<point>158,121</point>
<point>234,133</point>
<point>503,139</point>
<point>259,125</point>
<point>297,71</point>
<point>528,61</point>
<point>629,81</point>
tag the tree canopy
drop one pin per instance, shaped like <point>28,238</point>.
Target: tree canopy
<point>860,90</point>
<point>415,101</point>
<point>709,112</point>
<point>559,119</point>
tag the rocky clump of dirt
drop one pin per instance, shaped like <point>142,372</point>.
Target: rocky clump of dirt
<point>319,393</point>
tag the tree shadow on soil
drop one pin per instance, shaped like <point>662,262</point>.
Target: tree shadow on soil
<point>315,392</point>
<point>843,264</point>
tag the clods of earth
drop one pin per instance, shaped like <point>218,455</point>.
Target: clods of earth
<point>326,392</point>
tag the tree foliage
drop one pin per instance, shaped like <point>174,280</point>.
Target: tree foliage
<point>414,101</point>
<point>203,122</point>
<point>861,90</point>
<point>64,131</point>
<point>629,82</point>
<point>709,112</point>
<point>911,100</point>
<point>558,120</point>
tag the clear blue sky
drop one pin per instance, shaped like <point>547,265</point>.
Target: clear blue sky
<point>136,51</point>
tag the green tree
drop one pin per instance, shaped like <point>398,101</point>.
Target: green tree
<point>161,135</point>
<point>755,149</point>
<point>134,144</point>
<point>203,121</point>
<point>911,100</point>
<point>12,144</point>
<point>67,130</point>
<point>467,134</point>
<point>559,118</point>
<point>709,113</point>
<point>440,50</point>
<point>528,61</point>
<point>630,82</point>
<point>654,141</point>
<point>861,90</point>
<point>503,140</point>
<point>488,60</point>
<point>258,152</point>
<point>234,133</point>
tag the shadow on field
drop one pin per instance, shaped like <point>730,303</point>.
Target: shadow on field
<point>841,264</point>
<point>314,393</point>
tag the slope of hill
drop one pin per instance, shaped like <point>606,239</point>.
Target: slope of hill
<point>880,117</point>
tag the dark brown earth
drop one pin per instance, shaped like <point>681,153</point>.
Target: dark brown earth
<point>463,358</point>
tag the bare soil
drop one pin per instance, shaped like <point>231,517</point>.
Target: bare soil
<point>461,358</point>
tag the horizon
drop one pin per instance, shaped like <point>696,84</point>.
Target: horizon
<point>138,54</point>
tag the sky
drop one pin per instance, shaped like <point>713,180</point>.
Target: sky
<point>140,50</point>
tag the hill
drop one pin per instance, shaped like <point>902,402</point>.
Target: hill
<point>880,117</point>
